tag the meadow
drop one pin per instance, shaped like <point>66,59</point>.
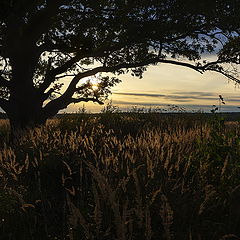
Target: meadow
<point>122,176</point>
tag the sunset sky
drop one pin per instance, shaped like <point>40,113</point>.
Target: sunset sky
<point>166,84</point>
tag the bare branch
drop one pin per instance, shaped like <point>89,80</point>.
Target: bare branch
<point>48,94</point>
<point>66,75</point>
<point>77,100</point>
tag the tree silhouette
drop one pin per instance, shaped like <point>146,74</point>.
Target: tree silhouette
<point>44,41</point>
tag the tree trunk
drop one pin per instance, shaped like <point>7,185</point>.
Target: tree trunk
<point>24,120</point>
<point>25,112</point>
<point>25,101</point>
<point>20,125</point>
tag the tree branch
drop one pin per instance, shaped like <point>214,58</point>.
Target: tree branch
<point>226,74</point>
<point>60,103</point>
<point>77,100</point>
<point>47,94</point>
<point>51,73</point>
<point>96,70</point>
<point>55,105</point>
<point>66,75</point>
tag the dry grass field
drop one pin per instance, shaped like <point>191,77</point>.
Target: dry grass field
<point>122,176</point>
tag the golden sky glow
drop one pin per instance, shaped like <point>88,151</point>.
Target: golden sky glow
<point>167,84</point>
<point>93,80</point>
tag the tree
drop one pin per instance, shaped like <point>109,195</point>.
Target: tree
<point>43,41</point>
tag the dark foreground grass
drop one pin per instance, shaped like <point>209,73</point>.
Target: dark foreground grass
<point>122,176</point>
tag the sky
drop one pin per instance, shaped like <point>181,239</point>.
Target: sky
<point>165,85</point>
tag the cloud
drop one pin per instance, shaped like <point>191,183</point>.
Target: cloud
<point>119,102</point>
<point>182,96</point>
<point>203,94</point>
<point>140,94</point>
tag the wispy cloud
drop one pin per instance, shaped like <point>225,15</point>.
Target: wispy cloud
<point>140,94</point>
<point>181,96</point>
<point>202,94</point>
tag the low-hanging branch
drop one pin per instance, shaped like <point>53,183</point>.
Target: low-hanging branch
<point>199,68</point>
<point>88,99</point>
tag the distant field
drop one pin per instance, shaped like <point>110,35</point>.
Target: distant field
<point>234,116</point>
<point>122,176</point>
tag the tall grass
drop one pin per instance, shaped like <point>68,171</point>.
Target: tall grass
<point>122,176</point>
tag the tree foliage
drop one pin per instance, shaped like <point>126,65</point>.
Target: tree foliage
<point>44,41</point>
